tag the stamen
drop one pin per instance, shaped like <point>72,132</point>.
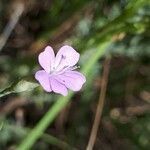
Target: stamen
<point>74,67</point>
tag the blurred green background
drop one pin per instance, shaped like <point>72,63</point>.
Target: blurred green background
<point>27,26</point>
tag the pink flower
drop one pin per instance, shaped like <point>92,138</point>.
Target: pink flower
<point>58,73</point>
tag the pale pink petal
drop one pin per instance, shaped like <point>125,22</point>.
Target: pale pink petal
<point>47,58</point>
<point>57,87</point>
<point>43,79</point>
<point>66,56</point>
<point>72,80</point>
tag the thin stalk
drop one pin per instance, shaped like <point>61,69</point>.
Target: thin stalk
<point>100,105</point>
<point>5,92</point>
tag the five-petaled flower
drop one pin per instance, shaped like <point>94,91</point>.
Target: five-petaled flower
<point>58,74</point>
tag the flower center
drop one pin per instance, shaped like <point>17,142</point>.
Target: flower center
<point>65,68</point>
<point>56,70</point>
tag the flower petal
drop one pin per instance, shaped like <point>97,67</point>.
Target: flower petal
<point>43,79</point>
<point>72,80</point>
<point>66,56</point>
<point>47,58</point>
<point>57,87</point>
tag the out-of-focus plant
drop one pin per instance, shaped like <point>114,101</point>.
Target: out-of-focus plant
<point>20,86</point>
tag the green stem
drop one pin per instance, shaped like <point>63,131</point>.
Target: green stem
<point>6,91</point>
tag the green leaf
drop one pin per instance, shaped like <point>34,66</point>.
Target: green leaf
<point>23,86</point>
<point>20,86</point>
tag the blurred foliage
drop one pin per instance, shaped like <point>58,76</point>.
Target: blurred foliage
<point>83,24</point>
